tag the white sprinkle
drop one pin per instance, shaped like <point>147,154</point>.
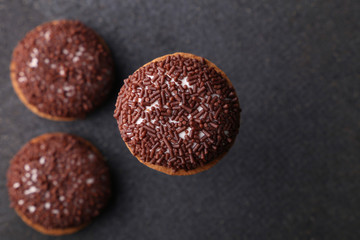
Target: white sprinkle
<point>140,120</point>
<point>61,198</point>
<point>22,79</point>
<point>91,156</point>
<point>35,51</point>
<point>34,171</point>
<point>31,190</point>
<point>90,181</point>
<point>81,48</point>
<point>201,134</point>
<point>75,59</point>
<point>31,209</point>
<point>68,88</point>
<point>27,175</point>
<point>53,66</point>
<point>23,179</point>
<point>16,185</point>
<point>21,74</point>
<point>172,121</point>
<point>184,82</point>
<point>34,177</point>
<point>47,35</point>
<point>65,51</point>
<point>21,202</point>
<point>33,63</point>
<point>69,94</point>
<point>62,72</point>
<point>69,40</point>
<point>42,160</point>
<point>29,183</point>
<point>47,194</point>
<point>47,61</point>
<point>78,53</point>
<point>47,205</point>
<point>27,167</point>
<point>183,133</point>
<point>55,183</point>
<point>55,211</point>
<point>217,95</point>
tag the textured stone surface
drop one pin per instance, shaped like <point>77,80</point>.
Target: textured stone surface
<point>294,171</point>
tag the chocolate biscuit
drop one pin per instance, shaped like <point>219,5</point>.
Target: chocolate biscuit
<point>62,70</point>
<point>178,114</point>
<point>58,183</point>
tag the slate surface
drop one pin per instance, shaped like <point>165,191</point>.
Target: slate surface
<point>294,171</point>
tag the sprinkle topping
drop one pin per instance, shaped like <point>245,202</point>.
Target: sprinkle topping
<point>47,205</point>
<point>31,209</point>
<point>175,113</point>
<point>90,181</point>
<point>70,53</point>
<point>54,183</point>
<point>31,190</point>
<point>42,160</point>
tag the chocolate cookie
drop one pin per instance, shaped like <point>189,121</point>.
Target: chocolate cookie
<point>61,70</point>
<point>58,183</point>
<point>178,114</point>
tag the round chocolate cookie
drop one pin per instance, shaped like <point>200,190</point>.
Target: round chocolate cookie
<point>58,183</point>
<point>178,114</point>
<point>62,70</point>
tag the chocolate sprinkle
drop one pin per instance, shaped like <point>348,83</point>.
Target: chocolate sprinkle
<point>193,119</point>
<point>63,68</point>
<point>58,182</point>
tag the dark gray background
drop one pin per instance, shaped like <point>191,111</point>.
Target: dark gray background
<point>294,171</point>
